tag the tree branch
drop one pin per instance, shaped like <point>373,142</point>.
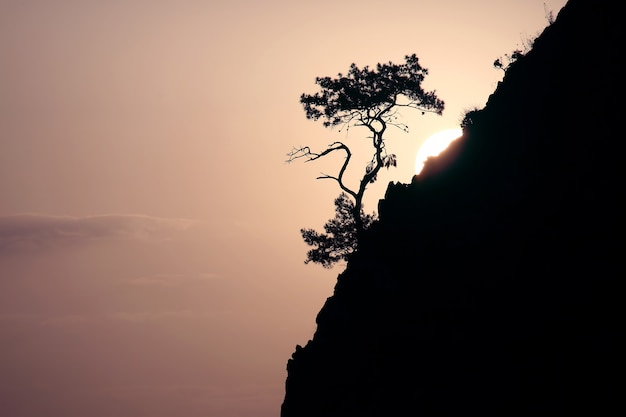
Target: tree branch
<point>305,152</point>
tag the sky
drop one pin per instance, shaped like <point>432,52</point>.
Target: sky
<point>151,263</point>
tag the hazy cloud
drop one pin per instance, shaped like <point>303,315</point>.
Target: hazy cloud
<point>65,320</point>
<point>15,317</point>
<point>143,316</point>
<point>33,231</point>
<point>171,280</point>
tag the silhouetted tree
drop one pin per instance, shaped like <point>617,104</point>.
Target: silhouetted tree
<point>368,98</point>
<point>340,240</point>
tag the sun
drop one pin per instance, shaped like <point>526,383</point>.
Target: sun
<point>434,145</point>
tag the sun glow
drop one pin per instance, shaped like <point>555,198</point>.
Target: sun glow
<point>434,145</point>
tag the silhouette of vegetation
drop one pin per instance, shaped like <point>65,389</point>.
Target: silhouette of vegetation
<point>367,98</point>
<point>508,60</point>
<point>339,241</point>
<point>549,14</point>
<point>527,44</point>
<point>468,116</point>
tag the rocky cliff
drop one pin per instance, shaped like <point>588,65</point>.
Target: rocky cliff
<point>489,287</point>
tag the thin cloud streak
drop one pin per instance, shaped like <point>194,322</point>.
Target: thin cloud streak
<point>40,231</point>
<point>171,280</point>
<point>136,317</point>
<point>143,316</point>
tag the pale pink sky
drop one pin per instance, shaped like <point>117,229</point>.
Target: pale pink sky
<point>150,257</point>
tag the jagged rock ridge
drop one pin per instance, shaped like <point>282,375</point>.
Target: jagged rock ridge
<point>490,285</point>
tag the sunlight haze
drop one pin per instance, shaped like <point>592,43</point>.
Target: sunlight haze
<point>434,145</point>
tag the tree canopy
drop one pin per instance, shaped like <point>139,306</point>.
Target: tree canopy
<point>365,95</point>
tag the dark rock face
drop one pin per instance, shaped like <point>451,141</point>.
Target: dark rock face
<point>490,285</point>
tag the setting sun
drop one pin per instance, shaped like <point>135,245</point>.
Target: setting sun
<point>434,145</point>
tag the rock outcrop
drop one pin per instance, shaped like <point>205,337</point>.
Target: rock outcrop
<point>490,285</point>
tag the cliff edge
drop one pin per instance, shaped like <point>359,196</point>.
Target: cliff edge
<point>489,287</point>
